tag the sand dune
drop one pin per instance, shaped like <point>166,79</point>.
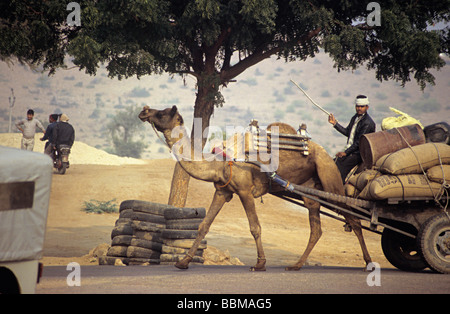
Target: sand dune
<point>81,153</point>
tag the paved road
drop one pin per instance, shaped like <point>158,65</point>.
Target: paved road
<point>201,279</point>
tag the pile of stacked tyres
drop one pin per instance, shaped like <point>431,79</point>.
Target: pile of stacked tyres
<point>139,236</point>
<point>178,236</point>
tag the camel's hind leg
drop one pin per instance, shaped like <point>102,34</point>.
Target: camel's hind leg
<point>315,234</point>
<point>356,226</point>
<point>331,182</point>
<point>220,198</point>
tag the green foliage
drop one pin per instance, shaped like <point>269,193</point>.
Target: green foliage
<point>340,107</point>
<point>128,149</point>
<point>122,128</point>
<point>279,114</point>
<point>325,93</point>
<point>139,92</point>
<point>381,96</point>
<point>100,207</point>
<point>217,40</point>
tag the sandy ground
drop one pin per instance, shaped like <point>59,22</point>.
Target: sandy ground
<point>72,233</point>
<point>95,175</point>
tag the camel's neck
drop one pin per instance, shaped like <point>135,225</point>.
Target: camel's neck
<point>191,160</point>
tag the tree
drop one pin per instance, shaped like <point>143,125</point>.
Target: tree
<point>216,40</point>
<point>122,128</point>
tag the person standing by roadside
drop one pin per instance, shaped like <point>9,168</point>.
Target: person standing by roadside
<point>28,129</point>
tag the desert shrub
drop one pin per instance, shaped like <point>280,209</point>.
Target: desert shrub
<point>139,92</point>
<point>278,115</point>
<point>325,93</point>
<point>380,96</point>
<point>99,207</point>
<point>250,82</point>
<point>426,105</point>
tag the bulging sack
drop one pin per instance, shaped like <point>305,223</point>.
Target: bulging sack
<point>401,186</point>
<point>438,173</point>
<point>409,160</point>
<point>350,190</point>
<point>360,180</point>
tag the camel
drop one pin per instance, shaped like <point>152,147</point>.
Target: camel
<point>316,170</point>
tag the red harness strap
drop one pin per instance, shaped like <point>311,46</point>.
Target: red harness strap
<point>230,163</point>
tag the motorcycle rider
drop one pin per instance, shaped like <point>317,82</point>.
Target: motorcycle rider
<point>52,119</point>
<point>63,133</point>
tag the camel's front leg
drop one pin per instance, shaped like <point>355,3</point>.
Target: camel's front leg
<point>255,229</point>
<point>220,198</point>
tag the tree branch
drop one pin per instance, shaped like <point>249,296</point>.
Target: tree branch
<point>223,36</point>
<point>261,54</point>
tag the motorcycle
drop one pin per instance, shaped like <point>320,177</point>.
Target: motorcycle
<point>61,158</point>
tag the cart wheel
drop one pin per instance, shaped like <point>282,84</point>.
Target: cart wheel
<point>402,251</point>
<point>434,241</point>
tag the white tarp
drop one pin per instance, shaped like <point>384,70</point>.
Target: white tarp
<point>22,230</point>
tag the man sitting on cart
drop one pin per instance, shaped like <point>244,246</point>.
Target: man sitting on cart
<point>361,123</point>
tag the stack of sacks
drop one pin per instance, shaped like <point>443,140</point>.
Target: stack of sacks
<point>401,174</point>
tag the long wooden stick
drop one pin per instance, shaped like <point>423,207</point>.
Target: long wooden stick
<point>313,102</point>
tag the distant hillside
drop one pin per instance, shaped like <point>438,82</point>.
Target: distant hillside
<point>264,92</point>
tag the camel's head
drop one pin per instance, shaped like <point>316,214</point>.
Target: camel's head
<point>166,119</point>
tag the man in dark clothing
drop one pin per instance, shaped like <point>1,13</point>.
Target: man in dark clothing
<point>63,132</point>
<point>49,134</point>
<point>361,123</point>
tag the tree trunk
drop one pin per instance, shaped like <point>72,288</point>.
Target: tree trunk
<point>179,187</point>
<point>203,109</point>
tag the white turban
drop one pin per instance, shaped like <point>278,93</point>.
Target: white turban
<point>362,101</point>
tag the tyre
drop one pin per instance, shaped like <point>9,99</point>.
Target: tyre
<point>437,133</point>
<point>184,213</point>
<point>146,226</point>
<point>117,250</point>
<point>123,221</point>
<point>145,207</point>
<point>176,250</point>
<point>150,236</point>
<point>155,246</point>
<point>434,243</point>
<point>184,243</point>
<point>140,223</point>
<point>62,169</point>
<point>179,234</point>
<point>121,240</point>
<point>127,240</point>
<point>402,251</point>
<point>186,224</point>
<point>8,282</point>
<point>139,252</point>
<point>134,215</point>
<point>121,229</point>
